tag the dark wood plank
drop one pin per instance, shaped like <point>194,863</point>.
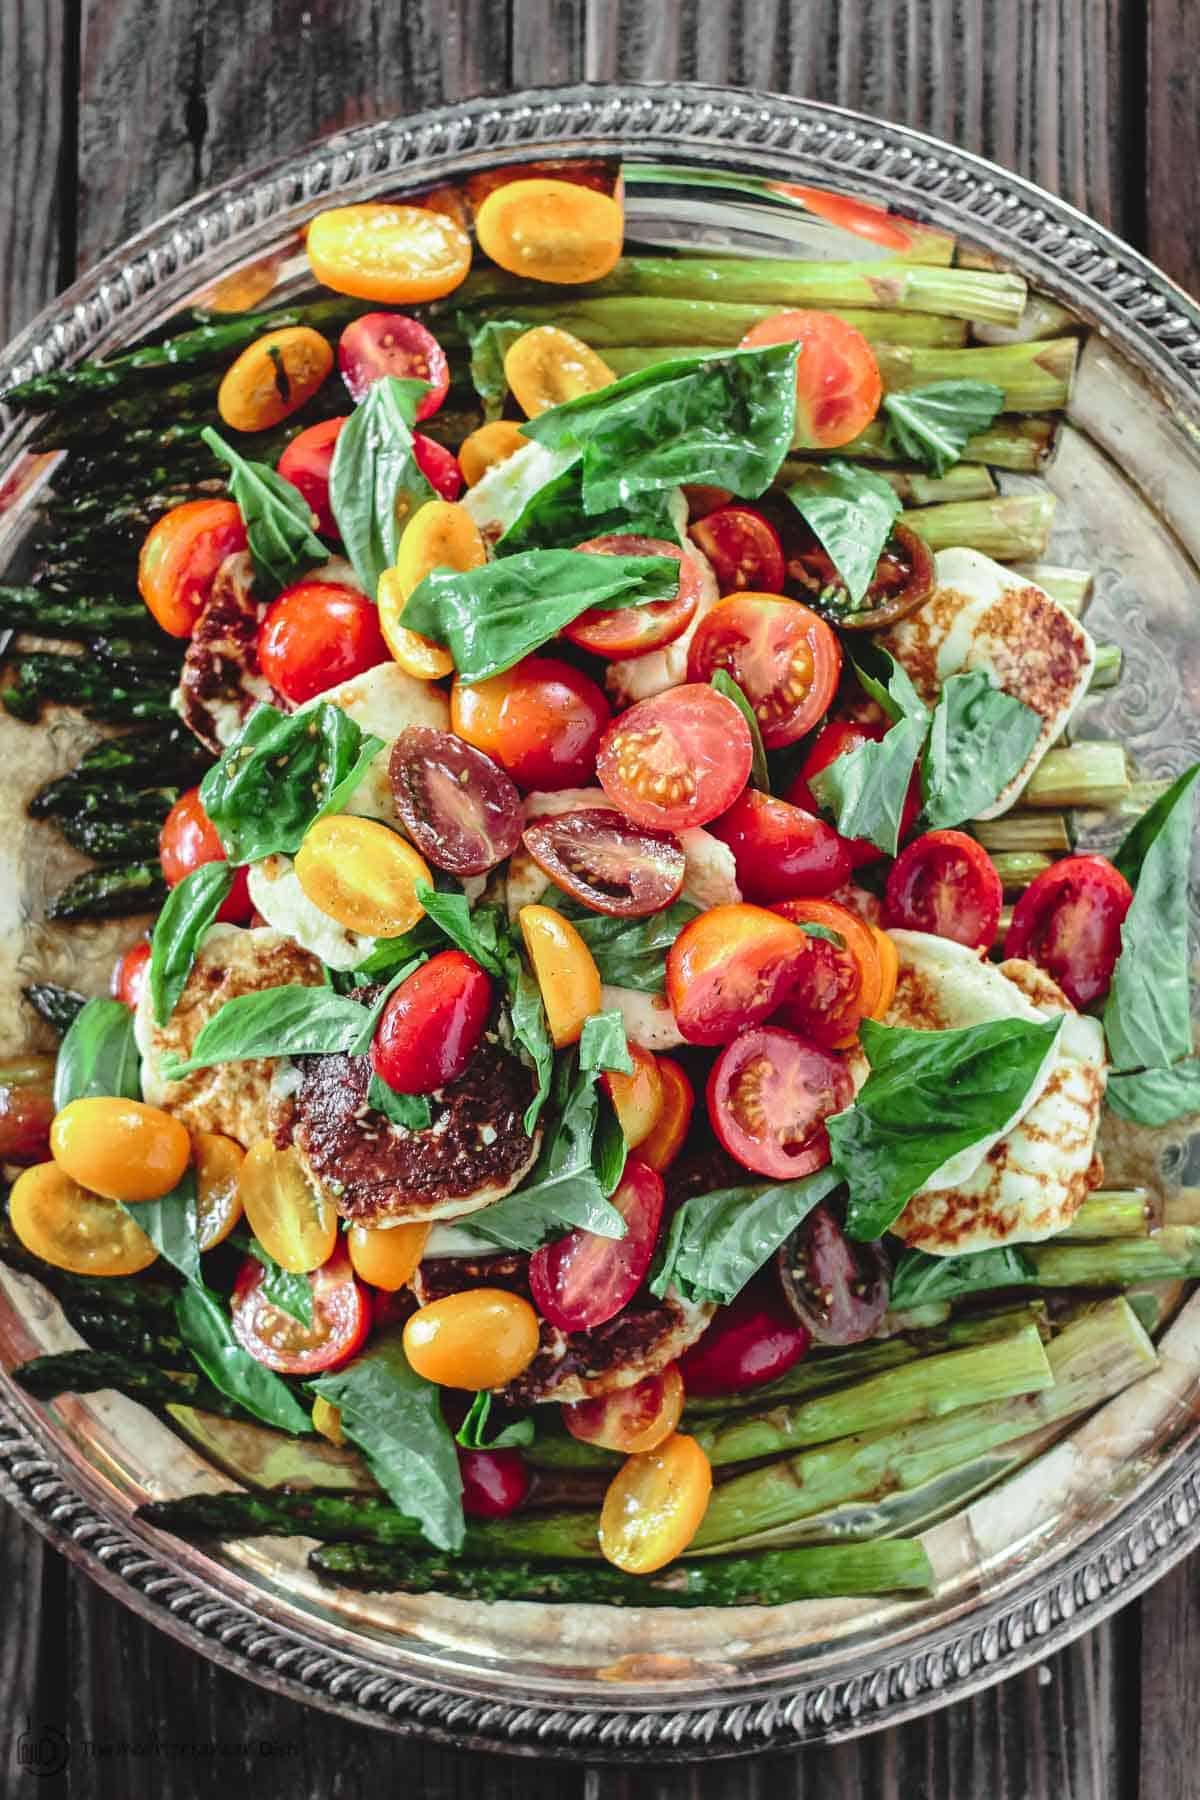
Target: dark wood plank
<point>33,155</point>
<point>1170,1705</point>
<point>1173,138</point>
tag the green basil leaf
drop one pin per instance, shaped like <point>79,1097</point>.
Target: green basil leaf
<point>172,1225</point>
<point>391,954</point>
<point>887,682</point>
<point>395,1419</point>
<point>278,1021</point>
<point>760,775</point>
<point>190,908</point>
<point>530,1029</point>
<point>282,772</point>
<point>204,1326</point>
<point>288,1293</point>
<point>482,933</point>
<point>931,424</point>
<point>629,953</point>
<point>979,739</point>
<point>472,1433</point>
<point>918,1279</point>
<point>930,1095</point>
<point>413,1111</point>
<point>554,517</point>
<point>718,1241</point>
<point>851,511</point>
<point>1156,1096</point>
<point>822,931</point>
<point>279,521</point>
<point>375,484</point>
<point>488,344</point>
<point>866,789</point>
<point>491,617</point>
<point>1147,1017</point>
<point>603,1044</point>
<point>98,1056</point>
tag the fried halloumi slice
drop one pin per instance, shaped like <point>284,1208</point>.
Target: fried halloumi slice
<point>385,701</point>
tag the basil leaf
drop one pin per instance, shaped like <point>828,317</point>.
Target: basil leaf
<point>279,520</point>
<point>530,1030</point>
<point>555,517</point>
<point>930,1095</point>
<point>413,1111</point>
<point>282,772</point>
<point>395,1419</point>
<point>1147,1017</point>
<point>888,683</point>
<point>205,1328</point>
<point>1156,1096</point>
<point>278,1021</point>
<point>190,908</point>
<point>488,345</point>
<point>918,1279</point>
<point>375,484</point>
<point>471,1433</point>
<point>491,617</point>
<point>931,424</point>
<point>629,953</point>
<point>172,1225</point>
<point>482,934</point>
<point>980,738</point>
<point>603,1045</point>
<point>290,1294</point>
<point>98,1056</point>
<point>718,1241</point>
<point>851,511</point>
<point>866,789</point>
<point>822,931</point>
<point>760,775</point>
<point>390,954</point>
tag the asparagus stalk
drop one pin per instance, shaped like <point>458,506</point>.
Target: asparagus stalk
<point>110,839</point>
<point>1049,832</point>
<point>1173,1253</point>
<point>80,682</point>
<point>78,798</point>
<point>1112,1213</point>
<point>1090,774</point>
<point>1017,868</point>
<point>1034,377</point>
<point>1042,318</point>
<point>1072,588</point>
<point>162,753</point>
<point>31,609</point>
<point>964,481</point>
<point>619,321</point>
<point>1010,442</point>
<point>111,893</point>
<point>1011,525</point>
<point>57,1007</point>
<point>87,1371</point>
<point>1107,670</point>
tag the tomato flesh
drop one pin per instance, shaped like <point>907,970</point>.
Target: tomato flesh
<point>1068,921</point>
<point>903,579</point>
<point>340,1319</point>
<point>632,1419</point>
<point>753,1340</point>
<point>838,385</point>
<point>129,976</point>
<point>583,1280</point>
<point>743,548</point>
<point>386,343</point>
<point>542,721</point>
<point>26,1109</point>
<point>784,658</point>
<point>306,463</point>
<point>189,838</point>
<point>316,634</point>
<point>838,738</point>
<point>180,557</point>
<point>945,883</point>
<point>431,1026</point>
<point>633,630</point>
<point>460,809</point>
<point>838,1289</point>
<point>781,852</point>
<point>494,1482</point>
<point>730,969</point>
<point>840,983</point>
<point>769,1094</point>
<point>677,759</point>
<point>598,858</point>
<point>438,465</point>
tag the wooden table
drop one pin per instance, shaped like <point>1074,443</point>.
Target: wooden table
<point>113,111</point>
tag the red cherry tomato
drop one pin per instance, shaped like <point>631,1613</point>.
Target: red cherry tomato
<point>597,857</point>
<point>839,984</point>
<point>945,883</point>
<point>438,465</point>
<point>341,1316</point>
<point>743,548</point>
<point>631,1419</point>
<point>677,759</point>
<point>730,969</point>
<point>129,976</point>
<point>542,721</point>
<point>783,657</point>
<point>306,463</point>
<point>769,1094</point>
<point>495,1482</point>
<point>874,223</point>
<point>583,1280</point>
<point>754,1340</point>
<point>384,343</point>
<point>462,811</point>
<point>189,838</point>
<point>316,634</point>
<point>180,556</point>
<point>781,852</point>
<point>431,1026</point>
<point>633,630</point>
<point>838,385</point>
<point>1068,921</point>
<point>838,738</point>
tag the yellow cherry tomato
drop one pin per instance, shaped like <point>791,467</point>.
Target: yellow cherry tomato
<point>440,535</point>
<point>637,1098</point>
<point>654,1505</point>
<point>488,447</point>
<point>361,874</point>
<point>218,1162</point>
<point>327,1419</point>
<point>551,230</point>
<point>122,1149</point>
<point>73,1229</point>
<point>292,1222</point>
<point>242,288</point>
<point>889,969</point>
<point>546,367</point>
<point>566,971</point>
<point>273,377</point>
<point>386,1257</point>
<point>631,1419</point>
<point>383,251</point>
<point>481,1338</point>
<point>664,1142</point>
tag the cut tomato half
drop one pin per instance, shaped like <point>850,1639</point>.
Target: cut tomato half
<point>678,759</point>
<point>784,658</point>
<point>769,1095</point>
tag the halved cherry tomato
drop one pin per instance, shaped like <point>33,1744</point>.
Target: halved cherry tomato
<point>341,1317</point>
<point>769,1095</point>
<point>566,971</point>
<point>1068,921</point>
<point>889,971</point>
<point>387,1256</point>
<point>362,874</point>
<point>542,721</point>
<point>292,1221</point>
<point>494,1482</point>
<point>839,984</point>
<point>440,535</point>
<point>632,1419</point>
<point>461,810</point>
<point>431,1025</point>
<point>273,377</point>
<point>838,738</point>
<point>614,867</point>
<point>902,581</point>
<point>945,883</point>
<point>654,1505</point>
<point>874,223</point>
<point>72,1228</point>
<point>730,969</point>
<point>129,976</point>
<point>26,1109</point>
<point>480,1338</point>
<point>838,385</point>
<point>120,1149</point>
<point>306,463</point>
<point>218,1164</point>
<point>487,447</point>
<point>180,557</point>
<point>838,1289</point>
<point>583,1280</point>
<point>637,1098</point>
<point>633,630</point>
<point>189,838</point>
<point>784,658</point>
<point>753,1340</point>
<point>781,852</point>
<point>743,548</point>
<point>551,231</point>
<point>546,367</point>
<point>316,634</point>
<point>677,759</point>
<point>438,465</point>
<point>384,251</point>
<point>670,1131</point>
<point>385,343</point>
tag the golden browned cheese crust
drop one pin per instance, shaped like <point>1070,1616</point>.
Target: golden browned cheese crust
<point>220,683</point>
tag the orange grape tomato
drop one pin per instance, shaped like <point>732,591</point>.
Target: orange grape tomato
<point>292,1222</point>
<point>638,1098</point>
<point>487,447</point>
<point>180,556</point>
<point>889,970</point>
<point>242,288</point>
<point>122,1149</point>
<point>542,721</point>
<point>218,1162</point>
<point>551,230</point>
<point>273,377</point>
<point>386,251</point>
<point>632,1419</point>
<point>440,535</point>
<point>566,971</point>
<point>327,1419</point>
<point>480,1338</point>
<point>857,936</point>
<point>361,874</point>
<point>838,384</point>
<point>386,1257</point>
<point>654,1505</point>
<point>71,1228</point>
<point>730,969</point>
<point>666,1140</point>
<point>546,367</point>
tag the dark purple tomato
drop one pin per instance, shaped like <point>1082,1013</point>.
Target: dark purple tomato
<point>460,809</point>
<point>599,858</point>
<point>838,1289</point>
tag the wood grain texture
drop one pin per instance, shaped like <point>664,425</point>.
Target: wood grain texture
<point>1172,138</point>
<point>34,65</point>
